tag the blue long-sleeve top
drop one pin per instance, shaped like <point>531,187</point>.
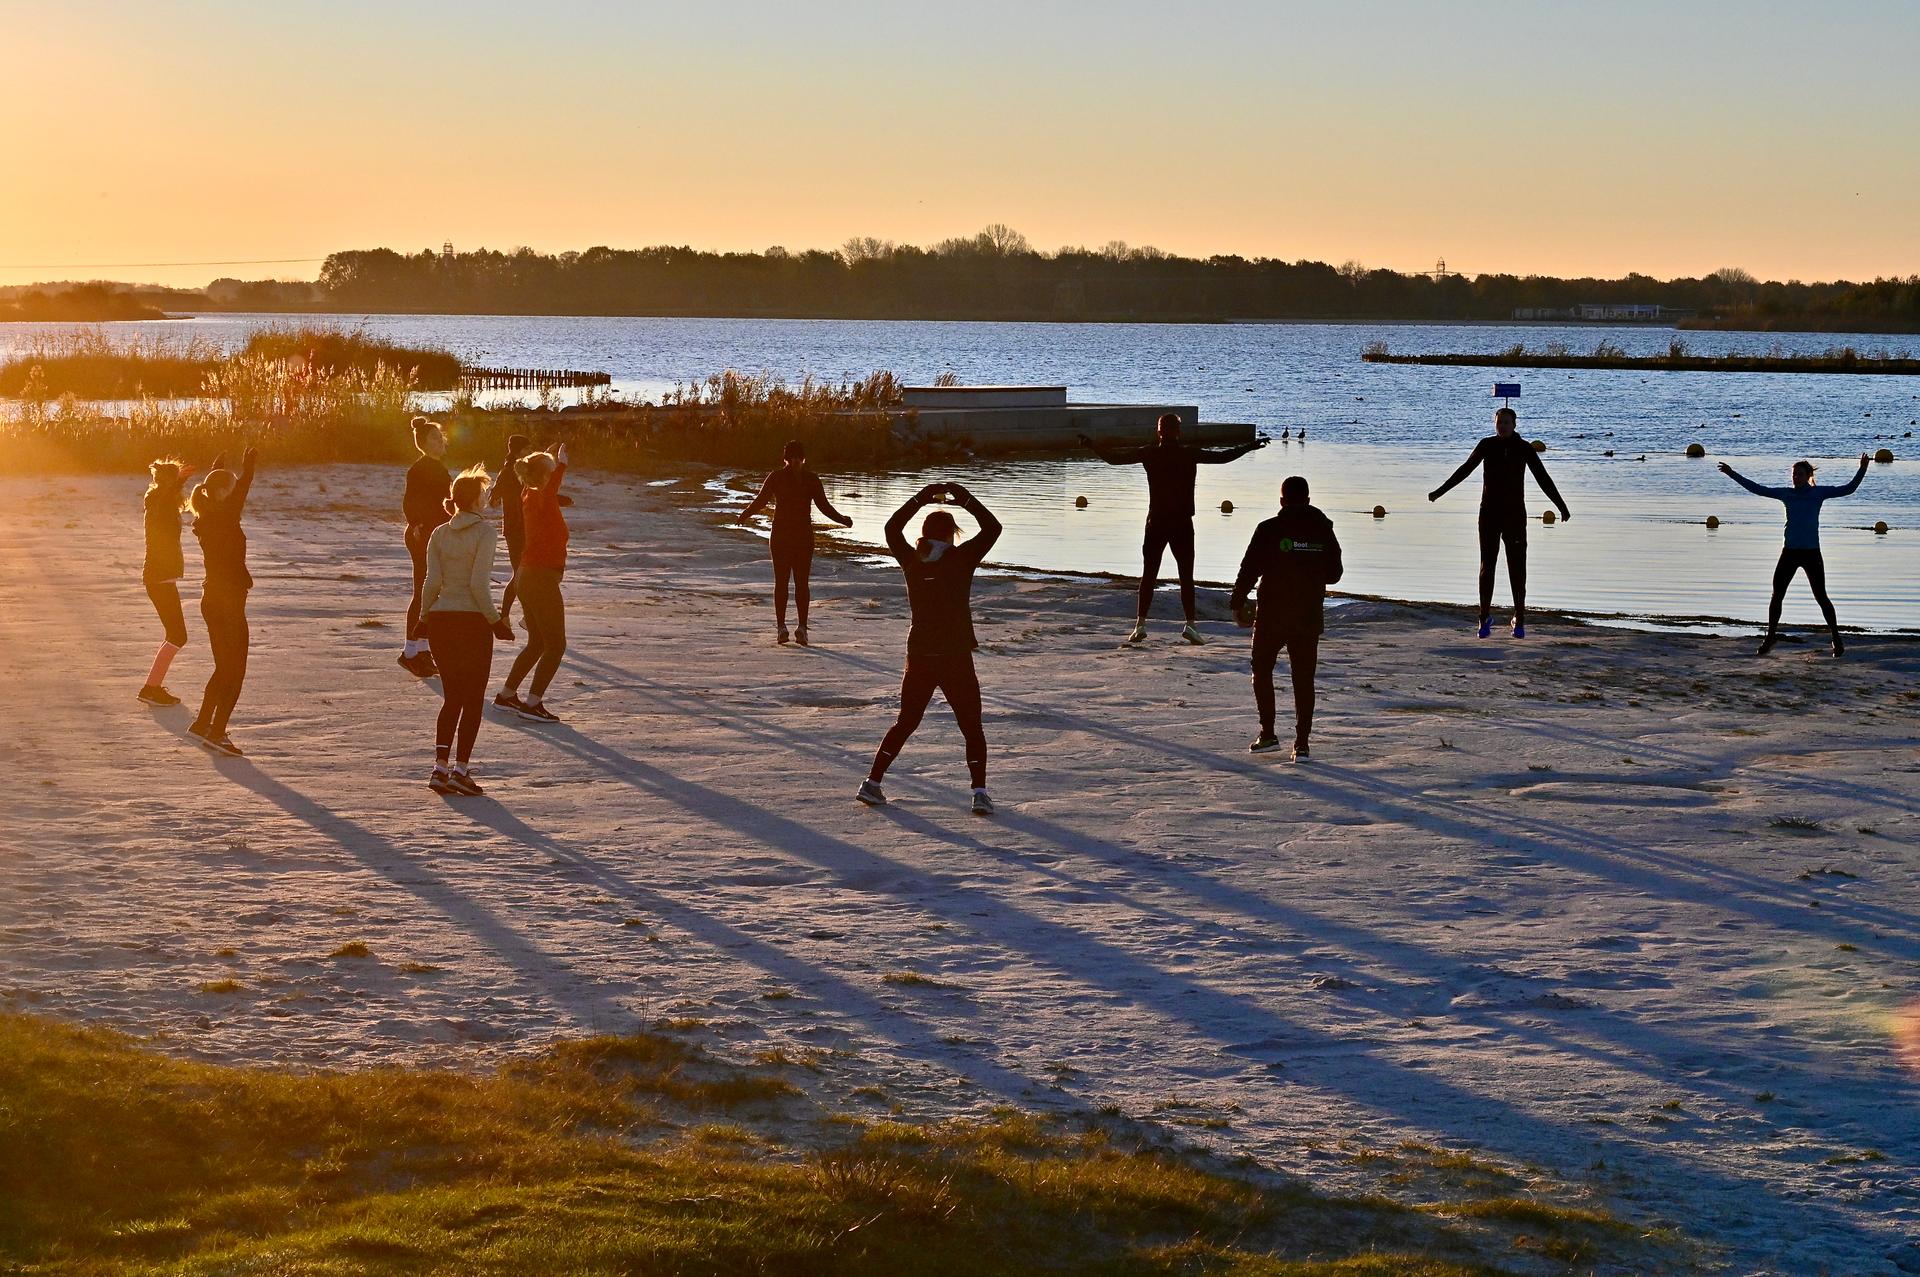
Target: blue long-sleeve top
<point>1803,505</point>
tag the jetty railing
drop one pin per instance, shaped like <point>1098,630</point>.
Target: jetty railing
<point>532,378</point>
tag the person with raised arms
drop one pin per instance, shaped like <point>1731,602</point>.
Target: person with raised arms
<point>217,505</point>
<point>162,570</point>
<point>542,565</point>
<point>940,642</point>
<point>424,504</point>
<point>1505,459</point>
<point>1801,551</point>
<point>1292,559</point>
<point>794,490</point>
<point>1171,467</point>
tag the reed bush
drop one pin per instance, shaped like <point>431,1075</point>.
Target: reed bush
<point>736,418</point>
<point>92,365</point>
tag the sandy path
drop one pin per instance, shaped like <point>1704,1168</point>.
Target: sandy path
<point>1530,900</point>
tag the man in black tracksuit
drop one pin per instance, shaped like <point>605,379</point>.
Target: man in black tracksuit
<point>1170,466</point>
<point>1503,511</point>
<point>1293,558</point>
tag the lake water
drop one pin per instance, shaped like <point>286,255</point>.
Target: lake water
<point>1377,435</point>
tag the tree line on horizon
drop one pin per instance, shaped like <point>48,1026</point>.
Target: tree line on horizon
<point>998,275</point>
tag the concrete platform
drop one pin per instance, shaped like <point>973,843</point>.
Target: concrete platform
<point>1001,419</point>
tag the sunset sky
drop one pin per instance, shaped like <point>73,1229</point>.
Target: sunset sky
<point>1529,137</point>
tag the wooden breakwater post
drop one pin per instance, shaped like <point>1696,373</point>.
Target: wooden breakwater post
<point>532,378</point>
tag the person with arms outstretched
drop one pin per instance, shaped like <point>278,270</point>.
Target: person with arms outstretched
<point>1292,558</point>
<point>1801,551</point>
<point>940,640</point>
<point>1170,466</point>
<point>1505,459</point>
<point>794,491</point>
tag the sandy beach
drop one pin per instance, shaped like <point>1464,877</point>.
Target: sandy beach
<point>1633,910</point>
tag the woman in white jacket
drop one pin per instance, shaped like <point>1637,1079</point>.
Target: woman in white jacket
<point>457,600</point>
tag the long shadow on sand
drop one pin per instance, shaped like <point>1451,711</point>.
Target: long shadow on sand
<point>1353,1069</point>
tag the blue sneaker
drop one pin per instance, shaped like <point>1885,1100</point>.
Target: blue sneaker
<point>1486,628</point>
<point>1519,629</point>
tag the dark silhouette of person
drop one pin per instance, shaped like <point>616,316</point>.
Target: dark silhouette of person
<point>1170,466</point>
<point>1801,551</point>
<point>1506,458</point>
<point>794,490</point>
<point>1292,559</point>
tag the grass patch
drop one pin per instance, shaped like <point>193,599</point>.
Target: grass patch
<point>352,949</point>
<point>1797,824</point>
<point>114,1158</point>
<point>914,980</point>
<point>221,986</point>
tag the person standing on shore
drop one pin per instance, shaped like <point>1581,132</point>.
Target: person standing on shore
<point>1170,466</point>
<point>162,570</point>
<point>424,504</point>
<point>542,564</point>
<point>794,490</point>
<point>1801,551</point>
<point>1503,511</point>
<point>462,623</point>
<point>940,640</point>
<point>217,506</point>
<point>1292,558</point>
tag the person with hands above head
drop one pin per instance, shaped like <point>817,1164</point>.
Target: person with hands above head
<point>794,491</point>
<point>1801,551</point>
<point>513,523</point>
<point>161,571</point>
<point>217,505</point>
<point>1292,559</point>
<point>1504,459</point>
<point>939,569</point>
<point>1170,465</point>
<point>424,505</point>
<point>542,565</point>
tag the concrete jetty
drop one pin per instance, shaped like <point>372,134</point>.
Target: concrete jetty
<point>996,419</point>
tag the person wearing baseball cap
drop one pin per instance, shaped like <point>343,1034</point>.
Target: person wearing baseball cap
<point>1802,549</point>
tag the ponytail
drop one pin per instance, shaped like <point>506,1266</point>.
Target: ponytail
<point>469,490</point>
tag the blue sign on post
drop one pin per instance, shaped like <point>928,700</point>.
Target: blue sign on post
<point>1506,390</point>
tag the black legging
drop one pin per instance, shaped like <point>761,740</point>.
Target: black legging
<point>1497,526</point>
<point>1792,561</point>
<point>545,613</point>
<point>223,608</point>
<point>1303,658</point>
<point>417,534</point>
<point>166,602</point>
<point>792,558</point>
<point>463,649</point>
<point>953,676</point>
<point>515,544</point>
<point>1167,534</point>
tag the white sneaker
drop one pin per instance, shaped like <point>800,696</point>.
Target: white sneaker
<point>1192,635</point>
<point>1139,633</point>
<point>870,794</point>
<point>982,805</point>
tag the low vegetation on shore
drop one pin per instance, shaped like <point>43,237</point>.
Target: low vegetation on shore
<point>81,304</point>
<point>89,364</point>
<point>1678,357</point>
<point>643,1153</point>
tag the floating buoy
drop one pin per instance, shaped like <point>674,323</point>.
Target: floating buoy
<point>1548,517</point>
<point>1884,456</point>
<point>1379,512</point>
<point>1880,528</point>
<point>1713,521</point>
<point>1607,453</point>
<point>1539,445</point>
<point>1226,507</point>
<point>1080,503</point>
<point>1696,450</point>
